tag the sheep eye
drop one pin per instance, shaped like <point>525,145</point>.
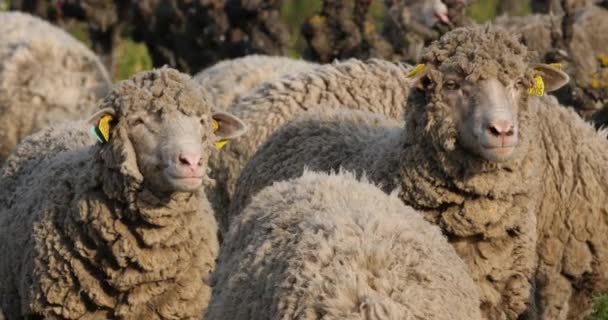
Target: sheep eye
<point>519,83</point>
<point>451,85</point>
<point>138,121</point>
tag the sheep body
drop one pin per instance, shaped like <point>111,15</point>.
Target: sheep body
<point>46,76</point>
<point>86,234</point>
<point>228,80</point>
<point>488,212</point>
<point>332,247</point>
<point>375,85</point>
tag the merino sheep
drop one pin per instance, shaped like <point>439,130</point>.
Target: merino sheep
<point>577,46</point>
<point>331,247</point>
<point>228,80</point>
<point>495,167</point>
<point>46,76</point>
<point>119,229</point>
<point>376,85</point>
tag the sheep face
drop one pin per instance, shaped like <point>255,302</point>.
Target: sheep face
<point>472,92</point>
<point>485,114</point>
<point>171,147</point>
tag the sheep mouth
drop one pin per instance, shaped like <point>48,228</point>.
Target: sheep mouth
<point>184,182</point>
<point>500,149</point>
<point>498,153</point>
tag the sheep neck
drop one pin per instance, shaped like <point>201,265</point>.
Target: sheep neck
<point>466,193</point>
<point>129,245</point>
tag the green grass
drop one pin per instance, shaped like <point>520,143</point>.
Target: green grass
<point>600,308</point>
<point>482,11</point>
<point>3,5</point>
<point>131,57</point>
<point>295,13</point>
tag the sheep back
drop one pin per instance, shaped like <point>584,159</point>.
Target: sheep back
<point>46,77</point>
<point>373,85</point>
<point>331,247</point>
<point>228,80</point>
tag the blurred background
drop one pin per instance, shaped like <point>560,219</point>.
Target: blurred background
<point>135,35</point>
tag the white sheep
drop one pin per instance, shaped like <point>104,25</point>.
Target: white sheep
<point>512,179</point>
<point>332,247</point>
<point>228,80</point>
<point>375,85</point>
<point>120,229</point>
<point>46,76</point>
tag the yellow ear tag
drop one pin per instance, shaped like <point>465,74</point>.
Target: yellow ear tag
<point>539,86</point>
<point>215,124</point>
<point>416,69</point>
<point>556,65</point>
<point>102,130</point>
<point>220,143</point>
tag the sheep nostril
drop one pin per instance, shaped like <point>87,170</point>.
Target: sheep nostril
<point>494,131</point>
<point>183,160</point>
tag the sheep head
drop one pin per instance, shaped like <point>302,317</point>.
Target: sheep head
<point>158,130</point>
<point>475,86</point>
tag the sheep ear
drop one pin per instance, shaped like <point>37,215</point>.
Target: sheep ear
<point>418,76</point>
<point>101,123</point>
<point>226,127</point>
<point>552,77</point>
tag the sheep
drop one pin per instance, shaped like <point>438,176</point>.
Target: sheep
<point>332,247</point>
<point>577,41</point>
<point>374,84</point>
<point>46,76</point>
<point>118,229</point>
<point>409,25</point>
<point>541,194</point>
<point>228,80</point>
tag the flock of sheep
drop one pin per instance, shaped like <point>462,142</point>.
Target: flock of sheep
<point>271,188</point>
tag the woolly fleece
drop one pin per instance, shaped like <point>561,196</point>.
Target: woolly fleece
<point>229,80</point>
<point>488,211</point>
<point>331,247</point>
<point>375,85</point>
<point>46,76</point>
<point>86,239</point>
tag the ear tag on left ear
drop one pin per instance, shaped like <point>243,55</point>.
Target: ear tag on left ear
<point>102,130</point>
<point>538,88</point>
<point>215,124</point>
<point>220,143</point>
<point>416,69</point>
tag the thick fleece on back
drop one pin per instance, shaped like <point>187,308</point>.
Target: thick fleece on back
<point>46,77</point>
<point>228,80</point>
<point>374,85</point>
<point>332,247</point>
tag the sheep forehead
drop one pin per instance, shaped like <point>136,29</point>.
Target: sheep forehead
<point>162,92</point>
<point>479,53</point>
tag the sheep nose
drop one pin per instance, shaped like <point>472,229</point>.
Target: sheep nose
<point>501,128</point>
<point>191,159</point>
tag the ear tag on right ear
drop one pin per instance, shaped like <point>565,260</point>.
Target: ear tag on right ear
<point>538,88</point>
<point>416,69</point>
<point>102,130</point>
